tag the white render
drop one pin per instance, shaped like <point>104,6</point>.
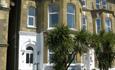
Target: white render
<point>89,60</point>
<point>36,41</point>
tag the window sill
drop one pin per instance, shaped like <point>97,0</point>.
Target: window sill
<point>5,5</point>
<point>33,27</point>
<point>73,29</point>
<point>50,28</point>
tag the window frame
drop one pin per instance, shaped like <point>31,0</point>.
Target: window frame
<point>29,53</point>
<point>96,24</point>
<point>31,16</point>
<point>85,3</point>
<point>49,52</point>
<point>72,14</point>
<point>104,6</point>
<point>52,13</point>
<point>82,23</point>
<point>98,4</point>
<point>106,24</point>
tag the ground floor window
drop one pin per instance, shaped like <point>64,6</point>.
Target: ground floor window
<point>29,55</point>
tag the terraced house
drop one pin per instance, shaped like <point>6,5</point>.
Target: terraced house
<point>25,24</point>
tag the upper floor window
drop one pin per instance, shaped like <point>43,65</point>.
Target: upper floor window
<point>83,3</point>
<point>53,15</point>
<point>71,16</point>
<point>104,3</point>
<point>84,23</point>
<point>29,55</point>
<point>98,25</point>
<point>98,4</point>
<point>101,4</point>
<point>31,17</point>
<point>108,24</point>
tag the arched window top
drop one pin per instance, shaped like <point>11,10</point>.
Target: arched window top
<point>98,19</point>
<point>53,8</point>
<point>31,11</point>
<point>70,8</point>
<point>29,48</point>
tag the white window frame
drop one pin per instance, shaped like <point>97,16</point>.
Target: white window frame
<point>82,22</point>
<point>96,24</point>
<point>29,52</point>
<point>104,5</point>
<point>51,13</point>
<point>98,4</point>
<point>106,26</point>
<point>33,17</point>
<point>49,52</point>
<point>73,14</point>
<point>85,3</point>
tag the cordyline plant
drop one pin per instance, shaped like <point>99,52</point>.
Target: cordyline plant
<point>62,44</point>
<point>104,49</point>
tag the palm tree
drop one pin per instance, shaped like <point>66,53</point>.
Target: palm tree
<point>104,49</point>
<point>60,43</point>
<point>63,42</point>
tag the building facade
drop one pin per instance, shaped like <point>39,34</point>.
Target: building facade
<point>4,17</point>
<point>33,19</point>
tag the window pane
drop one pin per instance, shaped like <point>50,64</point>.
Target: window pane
<point>97,4</point>
<point>70,20</point>
<point>108,29</point>
<point>53,8</point>
<point>53,20</point>
<point>83,2</point>
<point>84,20</point>
<point>84,23</point>
<point>51,57</point>
<point>31,58</point>
<point>31,11</point>
<point>103,2</point>
<point>108,22</point>
<point>29,48</point>
<point>97,1</point>
<point>70,8</point>
<point>84,27</point>
<point>108,25</point>
<point>27,58</point>
<point>53,15</point>
<point>31,21</point>
<point>98,23</point>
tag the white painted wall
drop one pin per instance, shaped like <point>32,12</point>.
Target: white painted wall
<point>89,60</point>
<point>36,41</point>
